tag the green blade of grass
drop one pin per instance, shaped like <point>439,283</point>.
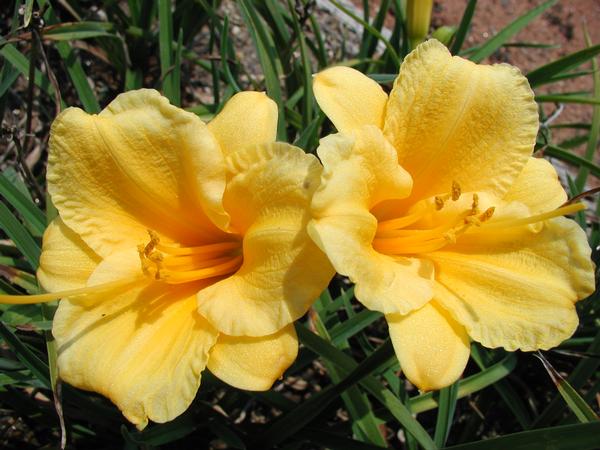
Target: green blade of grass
<point>32,215</point>
<point>269,60</point>
<point>592,142</point>
<point>165,42</point>
<point>446,408</point>
<point>483,359</point>
<point>224,48</point>
<point>469,385</point>
<point>384,396</point>
<point>578,377</point>
<point>356,402</point>
<point>463,28</point>
<point>565,155</point>
<point>355,324</point>
<point>307,100</point>
<point>566,98</point>
<point>21,63</point>
<point>509,31</point>
<point>37,367</point>
<point>295,420</point>
<point>392,52</point>
<point>569,437</point>
<point>20,236</point>
<point>545,73</point>
<point>70,31</point>
<point>576,404</point>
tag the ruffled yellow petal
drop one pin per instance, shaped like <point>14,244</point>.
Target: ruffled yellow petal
<point>538,187</point>
<point>433,349</point>
<point>360,171</point>
<point>515,288</point>
<point>66,261</point>
<point>268,195</point>
<point>453,120</point>
<point>248,119</point>
<point>143,347</point>
<point>140,164</point>
<point>349,98</point>
<point>253,363</point>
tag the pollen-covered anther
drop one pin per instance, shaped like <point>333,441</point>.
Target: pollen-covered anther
<point>487,214</point>
<point>456,191</point>
<point>439,202</point>
<point>475,204</point>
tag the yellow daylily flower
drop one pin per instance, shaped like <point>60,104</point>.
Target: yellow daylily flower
<point>179,246</point>
<point>432,203</point>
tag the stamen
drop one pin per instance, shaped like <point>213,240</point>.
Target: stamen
<point>563,211</point>
<point>400,222</point>
<point>177,277</point>
<point>455,191</point>
<point>51,296</point>
<point>439,203</point>
<point>199,250</point>
<point>475,204</point>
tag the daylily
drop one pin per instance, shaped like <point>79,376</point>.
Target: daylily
<point>432,204</point>
<point>179,246</point>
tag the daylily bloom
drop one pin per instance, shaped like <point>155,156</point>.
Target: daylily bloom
<point>179,246</point>
<point>432,204</point>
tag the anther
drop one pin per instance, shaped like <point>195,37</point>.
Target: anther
<point>487,214</point>
<point>455,191</point>
<point>475,204</point>
<point>439,203</point>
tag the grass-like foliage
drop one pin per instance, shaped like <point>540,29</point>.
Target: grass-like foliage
<point>344,391</point>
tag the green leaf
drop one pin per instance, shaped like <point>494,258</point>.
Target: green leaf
<point>578,377</point>
<point>446,408</point>
<point>544,74</point>
<point>224,48</point>
<point>565,155</point>
<point>165,42</point>
<point>569,437</point>
<point>580,408</point>
<point>566,98</point>
<point>483,359</point>
<point>292,422</point>
<point>353,325</point>
<point>390,48</point>
<point>32,215</point>
<point>384,396</point>
<point>20,236</point>
<point>21,63</point>
<point>463,28</point>
<point>592,142</point>
<point>269,60</point>
<point>69,31</point>
<point>37,367</point>
<point>466,386</point>
<point>509,31</point>
<point>28,13</point>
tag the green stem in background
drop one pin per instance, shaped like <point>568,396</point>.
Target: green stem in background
<point>418,19</point>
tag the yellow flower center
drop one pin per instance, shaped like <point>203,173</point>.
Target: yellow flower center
<point>175,264</point>
<point>395,237</point>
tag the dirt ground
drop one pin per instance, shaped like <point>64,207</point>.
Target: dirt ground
<point>561,25</point>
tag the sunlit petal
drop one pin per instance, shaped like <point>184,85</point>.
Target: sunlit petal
<point>140,164</point>
<point>253,363</point>
<point>538,187</point>
<point>453,120</point>
<point>143,347</point>
<point>433,349</point>
<point>516,288</point>
<point>248,119</point>
<point>349,98</point>
<point>268,193</point>
<point>66,261</point>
